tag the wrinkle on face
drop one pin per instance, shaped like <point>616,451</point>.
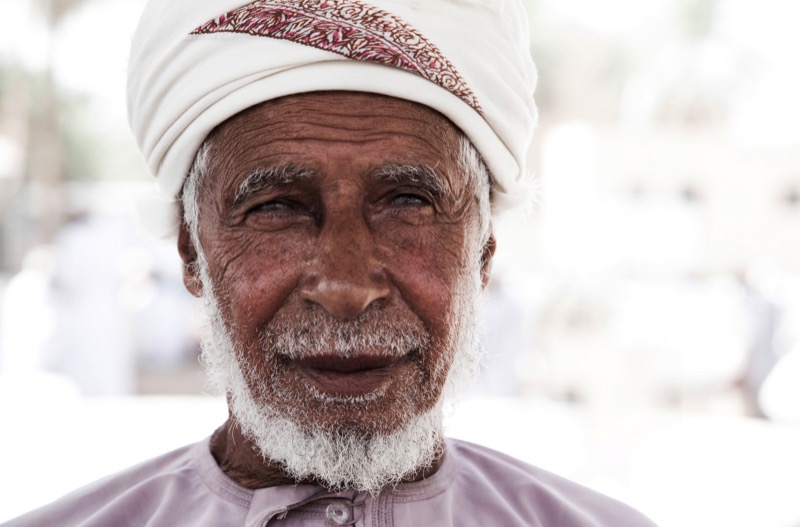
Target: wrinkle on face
<point>259,263</point>
<point>270,274</point>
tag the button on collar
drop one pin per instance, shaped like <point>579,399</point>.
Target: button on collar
<point>339,512</point>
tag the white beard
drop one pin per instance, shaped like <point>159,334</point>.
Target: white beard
<point>340,458</point>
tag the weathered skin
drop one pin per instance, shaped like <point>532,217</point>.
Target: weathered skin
<point>341,240</point>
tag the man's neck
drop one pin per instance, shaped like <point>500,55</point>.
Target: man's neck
<point>240,460</point>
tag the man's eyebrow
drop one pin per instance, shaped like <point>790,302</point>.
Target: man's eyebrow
<point>422,175</point>
<point>266,178</point>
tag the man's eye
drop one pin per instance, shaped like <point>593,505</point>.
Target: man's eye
<point>409,199</point>
<point>278,214</point>
<point>276,207</point>
<point>272,206</point>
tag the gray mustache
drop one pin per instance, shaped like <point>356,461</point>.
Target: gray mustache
<point>313,332</point>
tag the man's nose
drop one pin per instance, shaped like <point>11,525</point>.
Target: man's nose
<point>345,276</point>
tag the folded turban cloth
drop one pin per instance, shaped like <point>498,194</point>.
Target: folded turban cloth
<point>195,63</point>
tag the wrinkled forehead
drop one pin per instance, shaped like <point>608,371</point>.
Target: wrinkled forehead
<point>298,132</point>
<point>342,111</point>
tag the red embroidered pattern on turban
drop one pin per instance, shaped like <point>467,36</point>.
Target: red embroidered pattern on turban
<point>349,28</point>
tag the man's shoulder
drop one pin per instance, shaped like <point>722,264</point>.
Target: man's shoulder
<point>544,497</point>
<point>167,484</point>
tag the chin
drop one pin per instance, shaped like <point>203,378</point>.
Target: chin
<point>336,455</point>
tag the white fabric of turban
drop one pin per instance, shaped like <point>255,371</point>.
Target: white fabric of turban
<point>195,63</point>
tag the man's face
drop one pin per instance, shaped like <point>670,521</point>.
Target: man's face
<point>342,242</point>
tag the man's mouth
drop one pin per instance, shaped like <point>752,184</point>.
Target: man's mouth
<point>352,376</point>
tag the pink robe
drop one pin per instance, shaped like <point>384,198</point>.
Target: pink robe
<point>475,486</point>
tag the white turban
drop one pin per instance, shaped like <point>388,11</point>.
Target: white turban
<point>195,63</point>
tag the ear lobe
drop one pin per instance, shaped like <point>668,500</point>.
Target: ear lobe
<point>486,260</point>
<point>188,253</point>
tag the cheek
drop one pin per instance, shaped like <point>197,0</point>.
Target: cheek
<point>255,276</point>
<point>426,265</point>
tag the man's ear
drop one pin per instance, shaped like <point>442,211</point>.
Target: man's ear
<point>486,260</point>
<point>188,253</point>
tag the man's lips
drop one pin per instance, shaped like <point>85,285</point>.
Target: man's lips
<point>349,376</point>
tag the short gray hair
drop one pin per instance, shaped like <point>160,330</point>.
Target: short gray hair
<point>469,160</point>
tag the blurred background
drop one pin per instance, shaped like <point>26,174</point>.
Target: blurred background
<point>642,325</point>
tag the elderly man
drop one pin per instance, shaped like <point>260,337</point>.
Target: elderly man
<point>331,168</point>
